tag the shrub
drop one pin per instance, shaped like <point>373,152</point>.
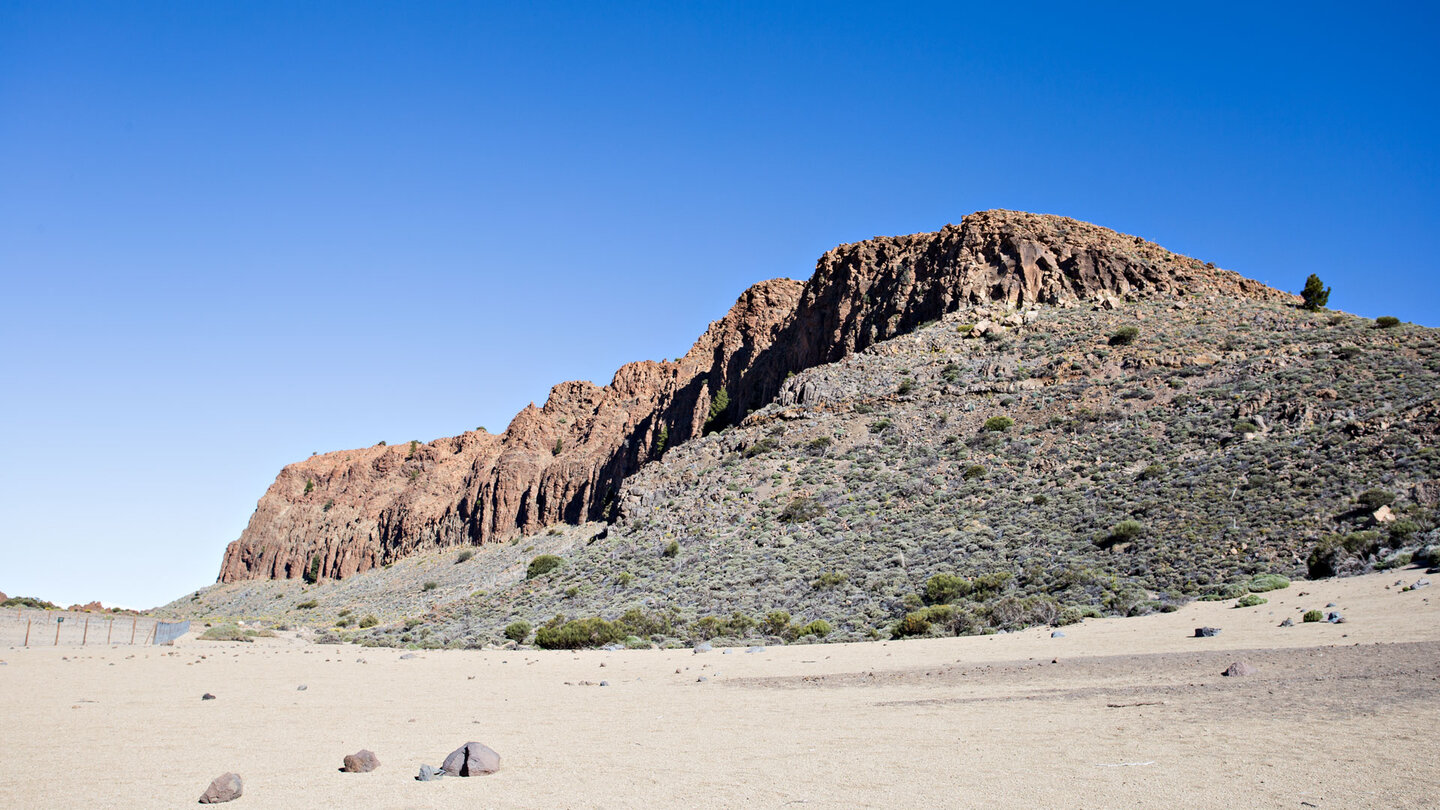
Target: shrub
<point>819,445</point>
<point>1373,499</point>
<point>517,631</point>
<point>819,628</point>
<point>1268,582</point>
<point>558,448</point>
<point>30,602</point>
<point>1315,295</point>
<point>880,426</point>
<point>1387,321</point>
<point>974,471</point>
<point>308,604</point>
<point>999,423</point>
<point>1312,616</point>
<point>414,446</point>
<point>542,565</point>
<point>906,386</point>
<point>1124,336</point>
<point>312,574</point>
<point>309,486</point>
<point>624,579</point>
<point>831,579</point>
<point>801,509</point>
<point>464,555</point>
<point>342,622</point>
<point>225,632</point>
<point>945,588</point>
<point>1246,426</point>
<point>672,548</point>
<point>430,586</point>
<point>346,612</point>
<point>661,439</point>
<point>1039,500</point>
<point>369,620</point>
<point>950,373</point>
<point>765,445</point>
<point>1151,473</point>
<point>1125,530</point>
<point>1250,600</point>
<point>558,634</point>
<point>775,623</point>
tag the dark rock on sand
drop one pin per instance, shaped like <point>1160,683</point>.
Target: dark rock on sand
<point>362,761</point>
<point>207,696</point>
<point>472,759</point>
<point>1206,632</point>
<point>225,788</point>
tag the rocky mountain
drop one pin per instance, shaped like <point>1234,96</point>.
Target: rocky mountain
<point>338,514</point>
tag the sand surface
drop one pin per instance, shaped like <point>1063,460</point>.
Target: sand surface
<point>1117,713</point>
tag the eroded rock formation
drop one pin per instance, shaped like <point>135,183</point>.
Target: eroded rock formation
<point>348,511</point>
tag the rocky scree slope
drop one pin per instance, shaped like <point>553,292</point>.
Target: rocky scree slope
<point>1041,464</point>
<point>341,513</point>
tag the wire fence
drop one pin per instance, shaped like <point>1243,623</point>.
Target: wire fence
<point>29,627</point>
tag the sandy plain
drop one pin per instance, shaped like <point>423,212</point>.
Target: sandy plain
<point>1117,713</point>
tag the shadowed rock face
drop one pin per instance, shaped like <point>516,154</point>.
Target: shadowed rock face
<point>564,462</point>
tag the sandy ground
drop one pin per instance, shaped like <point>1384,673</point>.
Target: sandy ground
<point>1118,713</point>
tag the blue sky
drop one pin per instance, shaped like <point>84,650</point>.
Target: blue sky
<point>232,234</point>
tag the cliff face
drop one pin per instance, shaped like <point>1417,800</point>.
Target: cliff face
<point>565,461</point>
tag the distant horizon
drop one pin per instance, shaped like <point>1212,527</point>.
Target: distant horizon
<point>237,234</point>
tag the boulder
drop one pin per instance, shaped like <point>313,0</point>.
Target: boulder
<point>471,759</point>
<point>429,774</point>
<point>226,788</point>
<point>1206,632</point>
<point>1239,669</point>
<point>362,761</point>
<point>1383,515</point>
<point>703,647</point>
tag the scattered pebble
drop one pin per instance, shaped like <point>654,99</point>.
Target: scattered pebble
<point>408,656</point>
<point>301,688</point>
<point>1288,623</point>
<point>207,696</point>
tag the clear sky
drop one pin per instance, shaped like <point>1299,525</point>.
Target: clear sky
<point>233,234</point>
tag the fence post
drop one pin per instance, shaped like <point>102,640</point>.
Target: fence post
<point>109,628</point>
<point>58,622</point>
<point>86,635</point>
<point>27,631</point>
<point>154,629</point>
<point>132,630</point>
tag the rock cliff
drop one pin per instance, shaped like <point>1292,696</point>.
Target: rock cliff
<point>346,512</point>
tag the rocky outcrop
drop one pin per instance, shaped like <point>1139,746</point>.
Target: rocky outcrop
<point>341,513</point>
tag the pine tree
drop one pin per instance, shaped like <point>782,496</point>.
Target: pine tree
<point>1316,294</point>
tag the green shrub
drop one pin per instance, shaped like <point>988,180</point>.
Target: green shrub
<point>1268,582</point>
<point>312,574</point>
<point>346,612</point>
<point>342,622</point>
<point>1039,500</point>
<point>430,586</point>
<point>517,631</point>
<point>1373,499</point>
<point>819,445</point>
<point>880,426</point>
<point>369,620</point>
<point>558,448</point>
<point>819,628</point>
<point>1250,600</point>
<point>1125,530</point>
<point>672,548</point>
<point>624,579</point>
<point>30,602</point>
<point>775,623</point>
<point>309,486</point>
<point>542,565</point>
<point>765,445</point>
<point>1246,426</point>
<point>906,386</point>
<point>225,632</point>
<point>308,604</point>
<point>945,588</point>
<point>1399,560</point>
<point>464,555</point>
<point>999,423</point>
<point>1312,616</point>
<point>974,471</point>
<point>1151,473</point>
<point>558,634</point>
<point>831,579</point>
<point>950,373</point>
<point>1124,336</point>
<point>661,440</point>
<point>801,509</point>
<point>1387,321</point>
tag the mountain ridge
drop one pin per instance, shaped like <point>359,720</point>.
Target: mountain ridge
<point>341,513</point>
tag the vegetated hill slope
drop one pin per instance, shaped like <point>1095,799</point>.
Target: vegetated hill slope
<point>342,513</point>
<point>1055,467</point>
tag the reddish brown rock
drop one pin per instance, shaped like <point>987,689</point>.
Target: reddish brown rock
<point>362,761</point>
<point>1239,669</point>
<point>356,509</point>
<point>226,788</point>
